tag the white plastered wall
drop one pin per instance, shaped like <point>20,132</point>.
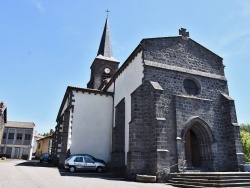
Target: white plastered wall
<point>92,125</point>
<point>125,84</point>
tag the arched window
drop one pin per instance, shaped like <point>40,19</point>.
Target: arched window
<point>191,87</point>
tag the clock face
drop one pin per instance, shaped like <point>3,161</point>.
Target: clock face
<point>107,70</point>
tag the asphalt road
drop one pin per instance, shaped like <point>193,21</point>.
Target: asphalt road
<point>32,174</point>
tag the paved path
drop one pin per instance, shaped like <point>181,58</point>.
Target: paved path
<point>23,174</point>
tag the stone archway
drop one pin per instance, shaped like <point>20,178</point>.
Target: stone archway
<point>198,139</point>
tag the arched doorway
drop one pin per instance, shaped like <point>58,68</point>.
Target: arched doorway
<point>192,149</point>
<point>198,139</point>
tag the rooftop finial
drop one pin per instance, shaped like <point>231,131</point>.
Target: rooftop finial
<point>183,32</point>
<point>107,12</point>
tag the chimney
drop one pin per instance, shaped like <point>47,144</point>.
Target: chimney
<point>51,132</point>
<point>1,104</point>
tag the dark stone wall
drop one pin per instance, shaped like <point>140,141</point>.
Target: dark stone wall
<point>118,136</point>
<point>147,133</point>
<point>234,155</point>
<point>160,119</point>
<point>207,105</point>
<point>178,52</point>
<point>64,137</point>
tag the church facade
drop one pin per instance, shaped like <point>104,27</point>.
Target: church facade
<point>167,104</point>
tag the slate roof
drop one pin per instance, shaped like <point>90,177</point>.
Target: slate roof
<point>105,48</point>
<point>17,124</point>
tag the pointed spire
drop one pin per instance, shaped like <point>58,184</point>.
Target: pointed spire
<point>105,48</point>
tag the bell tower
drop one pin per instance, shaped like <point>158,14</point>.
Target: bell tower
<point>104,65</point>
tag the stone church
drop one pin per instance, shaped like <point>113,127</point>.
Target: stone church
<point>167,104</point>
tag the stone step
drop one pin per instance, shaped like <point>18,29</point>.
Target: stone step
<point>210,179</point>
<point>213,177</point>
<point>218,176</point>
<point>213,180</point>
<point>201,184</point>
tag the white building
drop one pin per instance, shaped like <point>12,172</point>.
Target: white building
<point>17,140</point>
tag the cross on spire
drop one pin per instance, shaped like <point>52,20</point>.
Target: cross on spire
<point>183,32</point>
<point>107,12</point>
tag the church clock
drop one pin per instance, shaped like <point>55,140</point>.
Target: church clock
<point>107,70</point>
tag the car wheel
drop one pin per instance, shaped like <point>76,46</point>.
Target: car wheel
<point>72,169</point>
<point>99,169</point>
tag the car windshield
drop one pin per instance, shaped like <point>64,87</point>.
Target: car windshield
<point>69,158</point>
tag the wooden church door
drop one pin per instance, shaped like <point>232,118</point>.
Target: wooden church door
<point>192,149</point>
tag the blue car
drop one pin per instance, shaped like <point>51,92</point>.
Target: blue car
<point>45,157</point>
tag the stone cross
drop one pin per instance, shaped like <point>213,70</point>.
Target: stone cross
<point>183,32</point>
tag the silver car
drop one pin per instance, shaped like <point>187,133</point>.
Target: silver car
<point>81,162</point>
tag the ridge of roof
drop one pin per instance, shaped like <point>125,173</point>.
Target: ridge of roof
<point>20,124</point>
<point>175,37</point>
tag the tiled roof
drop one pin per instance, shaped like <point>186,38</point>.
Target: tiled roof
<point>30,125</point>
<point>38,136</point>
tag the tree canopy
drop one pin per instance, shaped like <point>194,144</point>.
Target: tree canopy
<point>245,139</point>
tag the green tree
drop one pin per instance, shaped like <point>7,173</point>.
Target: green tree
<point>46,134</point>
<point>245,139</point>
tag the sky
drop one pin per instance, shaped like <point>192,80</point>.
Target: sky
<point>47,45</point>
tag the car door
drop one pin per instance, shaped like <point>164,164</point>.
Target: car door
<point>79,163</point>
<point>89,163</point>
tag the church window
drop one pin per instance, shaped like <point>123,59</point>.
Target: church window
<point>191,87</point>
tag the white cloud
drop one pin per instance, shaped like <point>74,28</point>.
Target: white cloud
<point>38,5</point>
<point>234,36</point>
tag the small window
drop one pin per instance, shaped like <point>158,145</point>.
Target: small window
<point>8,150</point>
<point>11,136</point>
<point>19,136</point>
<point>191,87</point>
<point>88,160</point>
<point>105,76</point>
<point>78,159</point>
<point>27,136</point>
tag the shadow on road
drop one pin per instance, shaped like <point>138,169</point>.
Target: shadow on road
<point>109,174</point>
<point>36,163</point>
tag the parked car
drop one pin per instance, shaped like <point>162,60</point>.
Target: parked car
<point>45,157</point>
<point>93,158</point>
<point>83,162</point>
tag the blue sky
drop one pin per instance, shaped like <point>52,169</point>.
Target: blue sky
<point>47,45</point>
